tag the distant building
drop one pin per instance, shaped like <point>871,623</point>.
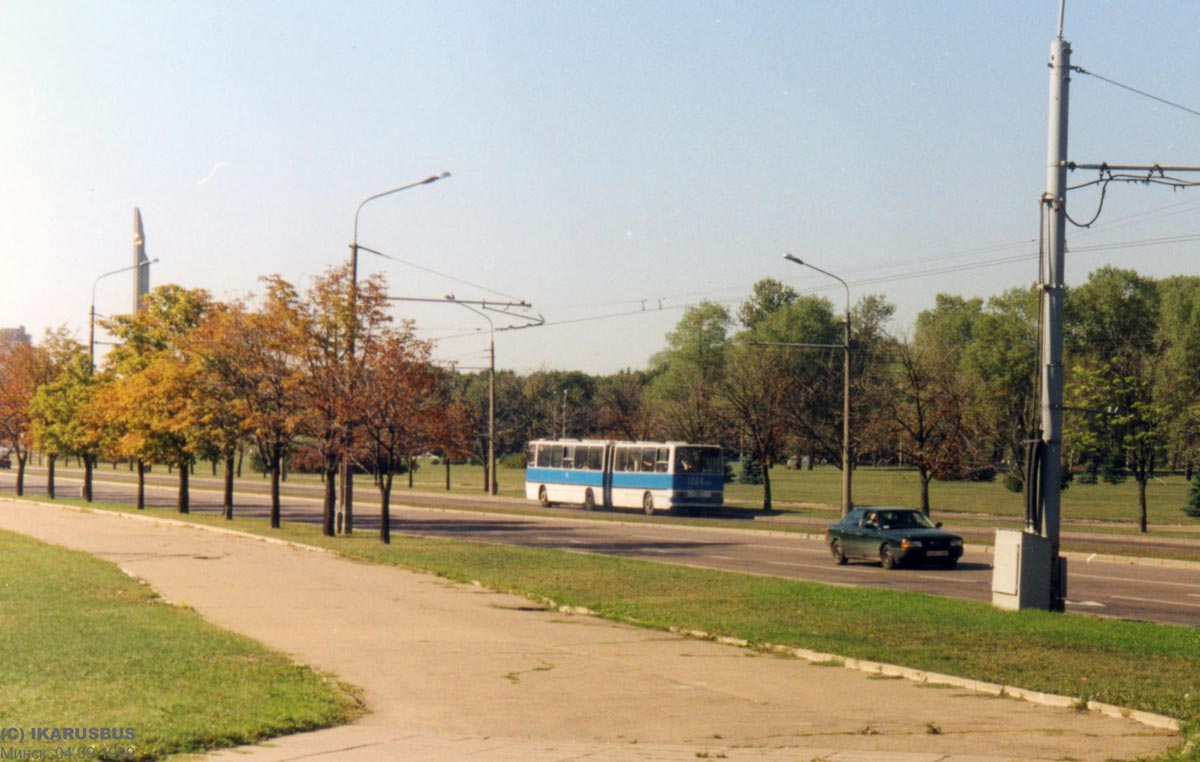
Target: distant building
<point>11,336</point>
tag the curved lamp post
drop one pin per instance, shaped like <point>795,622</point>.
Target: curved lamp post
<point>345,515</point>
<point>92,311</point>
<point>847,504</point>
<point>491,464</point>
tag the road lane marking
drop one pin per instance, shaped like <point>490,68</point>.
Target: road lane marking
<point>1077,575</point>
<point>1152,600</point>
<point>947,578</point>
<point>722,558</point>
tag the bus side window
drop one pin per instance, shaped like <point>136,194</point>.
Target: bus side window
<point>662,465</point>
<point>596,458</point>
<point>568,457</point>
<point>543,456</point>
<point>581,457</point>
<point>556,457</point>
<point>648,459</point>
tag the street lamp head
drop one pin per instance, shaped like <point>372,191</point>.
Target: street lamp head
<point>790,258</point>
<point>435,178</point>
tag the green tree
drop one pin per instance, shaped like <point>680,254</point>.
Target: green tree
<point>1178,366</point>
<point>1112,325</point>
<point>58,415</point>
<point>688,372</point>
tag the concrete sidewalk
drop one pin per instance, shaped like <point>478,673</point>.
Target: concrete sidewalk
<point>456,671</point>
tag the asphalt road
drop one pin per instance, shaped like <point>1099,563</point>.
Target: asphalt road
<point>1162,593</point>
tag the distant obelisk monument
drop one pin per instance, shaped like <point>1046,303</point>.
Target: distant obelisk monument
<point>141,263</point>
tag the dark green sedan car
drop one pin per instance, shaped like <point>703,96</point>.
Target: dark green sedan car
<point>892,536</point>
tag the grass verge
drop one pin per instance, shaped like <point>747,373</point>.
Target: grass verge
<point>1138,665</point>
<point>86,646</point>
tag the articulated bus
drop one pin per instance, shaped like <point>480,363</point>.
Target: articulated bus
<point>645,475</point>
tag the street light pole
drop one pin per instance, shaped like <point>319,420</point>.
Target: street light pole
<point>92,311</point>
<point>847,467</point>
<point>493,486</point>
<point>345,517</point>
<point>87,459</point>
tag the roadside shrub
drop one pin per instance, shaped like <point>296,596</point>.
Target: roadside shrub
<point>750,470</point>
<point>1192,506</point>
<point>1013,483</point>
<point>514,460</point>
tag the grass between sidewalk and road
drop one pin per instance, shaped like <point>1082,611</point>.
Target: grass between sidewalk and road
<point>817,493</point>
<point>1144,666</point>
<point>86,646</point>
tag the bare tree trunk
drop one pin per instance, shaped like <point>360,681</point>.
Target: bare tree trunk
<point>276,456</point>
<point>50,474</point>
<point>183,505</point>
<point>447,473</point>
<point>87,478</point>
<point>21,458</point>
<point>926,477</point>
<point>141,484</point>
<point>385,507</point>
<point>228,486</point>
<point>1142,525</point>
<point>328,514</point>
<point>766,475</point>
<point>411,463</point>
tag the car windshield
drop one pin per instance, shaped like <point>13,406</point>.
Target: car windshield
<point>904,520</point>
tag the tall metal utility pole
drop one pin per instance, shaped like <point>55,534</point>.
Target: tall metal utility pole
<point>502,308</point>
<point>1052,293</point>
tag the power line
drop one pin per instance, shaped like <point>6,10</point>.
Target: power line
<point>1082,70</point>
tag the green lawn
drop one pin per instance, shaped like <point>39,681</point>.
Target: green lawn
<point>85,645</point>
<point>1137,665</point>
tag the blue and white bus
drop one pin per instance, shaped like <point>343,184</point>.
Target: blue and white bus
<point>645,475</point>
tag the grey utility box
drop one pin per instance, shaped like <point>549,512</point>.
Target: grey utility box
<point>1021,571</point>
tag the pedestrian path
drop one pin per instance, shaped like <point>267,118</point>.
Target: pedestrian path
<point>454,671</point>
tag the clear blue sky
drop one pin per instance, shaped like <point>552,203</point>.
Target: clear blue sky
<point>605,155</point>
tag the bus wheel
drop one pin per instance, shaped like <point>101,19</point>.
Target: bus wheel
<point>648,503</point>
<point>543,498</point>
<point>589,501</point>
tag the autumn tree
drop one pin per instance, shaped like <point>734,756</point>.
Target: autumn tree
<point>149,399</point>
<point>252,355</point>
<point>403,412</point>
<point>22,369</point>
<point>334,334</point>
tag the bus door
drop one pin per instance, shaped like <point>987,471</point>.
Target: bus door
<point>606,478</point>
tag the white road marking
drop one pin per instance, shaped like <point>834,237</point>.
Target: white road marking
<point>948,578</point>
<point>1135,581</point>
<point>722,558</point>
<point>1154,600</point>
<point>1090,604</point>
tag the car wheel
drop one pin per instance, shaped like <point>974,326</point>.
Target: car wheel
<point>648,503</point>
<point>839,555</point>
<point>589,501</point>
<point>543,498</point>
<point>887,558</point>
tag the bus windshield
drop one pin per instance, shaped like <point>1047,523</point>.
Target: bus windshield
<point>699,460</point>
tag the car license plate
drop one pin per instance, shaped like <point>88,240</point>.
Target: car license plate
<point>935,553</point>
